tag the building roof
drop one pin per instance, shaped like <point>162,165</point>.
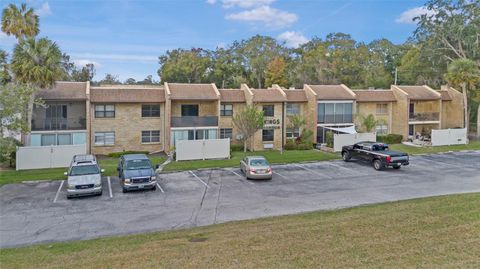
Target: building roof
<point>127,94</point>
<point>374,95</point>
<point>332,92</point>
<point>64,90</point>
<point>268,95</point>
<point>232,95</point>
<point>186,91</point>
<point>296,95</point>
<point>445,95</point>
<point>420,93</point>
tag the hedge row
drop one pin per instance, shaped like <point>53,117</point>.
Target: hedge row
<point>390,138</point>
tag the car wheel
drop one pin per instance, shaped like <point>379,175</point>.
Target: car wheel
<point>124,190</point>
<point>154,188</point>
<point>346,156</point>
<point>100,193</point>
<point>397,167</point>
<point>377,164</point>
<point>69,197</point>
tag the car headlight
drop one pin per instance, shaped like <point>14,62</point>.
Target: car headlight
<point>98,184</point>
<point>153,178</point>
<point>71,186</point>
<point>127,180</point>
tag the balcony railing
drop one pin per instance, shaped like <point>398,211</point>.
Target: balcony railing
<point>427,116</point>
<point>55,124</point>
<point>193,121</point>
<point>338,118</point>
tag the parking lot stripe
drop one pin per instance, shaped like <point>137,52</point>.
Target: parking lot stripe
<point>280,175</point>
<point>58,191</point>
<point>238,175</point>
<point>345,169</point>
<point>313,171</point>
<point>158,185</point>
<point>193,174</point>
<point>109,187</point>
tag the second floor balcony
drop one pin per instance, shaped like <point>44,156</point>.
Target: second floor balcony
<point>54,124</point>
<point>425,116</point>
<point>194,121</point>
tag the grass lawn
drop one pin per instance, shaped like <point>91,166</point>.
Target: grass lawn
<point>474,145</point>
<point>12,176</point>
<point>437,232</point>
<point>273,156</point>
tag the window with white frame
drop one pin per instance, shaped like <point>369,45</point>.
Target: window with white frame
<point>382,109</point>
<point>104,111</point>
<point>292,132</point>
<point>293,109</point>
<point>226,109</point>
<point>104,138</point>
<point>381,129</point>
<point>152,136</point>
<point>226,133</point>
<point>268,135</point>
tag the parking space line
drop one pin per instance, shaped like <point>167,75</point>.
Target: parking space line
<point>312,171</point>
<point>439,162</point>
<point>344,168</point>
<point>280,175</point>
<point>158,185</point>
<point>243,179</point>
<point>58,191</point>
<point>109,187</point>
<point>193,174</point>
<point>238,175</point>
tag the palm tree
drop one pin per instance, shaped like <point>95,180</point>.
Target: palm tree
<point>4,75</point>
<point>21,22</point>
<point>369,122</point>
<point>464,73</point>
<point>37,62</point>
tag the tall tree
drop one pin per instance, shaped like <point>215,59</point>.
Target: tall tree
<point>21,22</point>
<point>130,81</point>
<point>4,73</point>
<point>38,62</point>
<point>276,73</point>
<point>311,66</point>
<point>248,121</point>
<point>110,79</point>
<point>227,68</point>
<point>189,66</point>
<point>85,74</point>
<point>466,74</point>
<point>14,100</point>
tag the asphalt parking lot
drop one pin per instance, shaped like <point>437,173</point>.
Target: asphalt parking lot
<point>40,212</point>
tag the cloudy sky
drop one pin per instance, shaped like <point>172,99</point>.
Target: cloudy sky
<point>125,38</point>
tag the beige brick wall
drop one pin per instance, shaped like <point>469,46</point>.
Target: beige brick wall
<point>227,121</point>
<point>452,111</point>
<point>426,106</point>
<point>205,108</point>
<point>256,140</point>
<point>305,114</point>
<point>367,108</point>
<point>128,125</point>
<point>311,112</point>
<point>400,113</point>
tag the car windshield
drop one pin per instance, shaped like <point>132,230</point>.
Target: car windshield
<point>84,170</point>
<point>258,162</point>
<point>380,147</point>
<point>138,164</point>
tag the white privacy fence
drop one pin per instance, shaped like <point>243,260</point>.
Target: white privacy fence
<point>449,137</point>
<point>202,149</point>
<point>340,140</point>
<point>47,156</point>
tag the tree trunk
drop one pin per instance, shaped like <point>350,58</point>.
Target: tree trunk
<point>478,121</point>
<point>245,146</point>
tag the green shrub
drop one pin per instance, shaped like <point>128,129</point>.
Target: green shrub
<point>305,146</point>
<point>390,138</point>
<point>236,147</point>
<point>121,153</point>
<point>290,144</point>
<point>329,139</point>
<point>8,150</point>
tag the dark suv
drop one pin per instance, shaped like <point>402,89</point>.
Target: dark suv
<point>136,173</point>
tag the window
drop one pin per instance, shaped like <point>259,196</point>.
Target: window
<point>104,138</point>
<point>104,111</point>
<point>268,110</point>
<point>151,136</point>
<point>381,129</point>
<point>382,109</point>
<point>334,113</point>
<point>48,139</point>
<point>292,133</point>
<point>267,135</point>
<point>411,108</point>
<point>150,111</point>
<point>293,109</point>
<point>226,133</point>
<point>190,110</point>
<point>226,110</point>
<point>64,139</point>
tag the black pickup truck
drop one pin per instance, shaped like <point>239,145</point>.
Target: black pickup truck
<point>375,153</point>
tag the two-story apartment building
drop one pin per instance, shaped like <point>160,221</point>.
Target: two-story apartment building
<point>153,118</point>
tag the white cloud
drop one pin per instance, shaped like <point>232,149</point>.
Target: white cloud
<point>245,3</point>
<point>117,57</point>
<point>407,16</point>
<point>44,10</point>
<point>211,2</point>
<point>269,16</point>
<point>292,38</point>
<point>82,62</point>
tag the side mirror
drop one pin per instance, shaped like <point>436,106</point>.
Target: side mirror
<point>65,173</point>
<point>118,168</point>
<point>102,170</point>
<point>157,166</point>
